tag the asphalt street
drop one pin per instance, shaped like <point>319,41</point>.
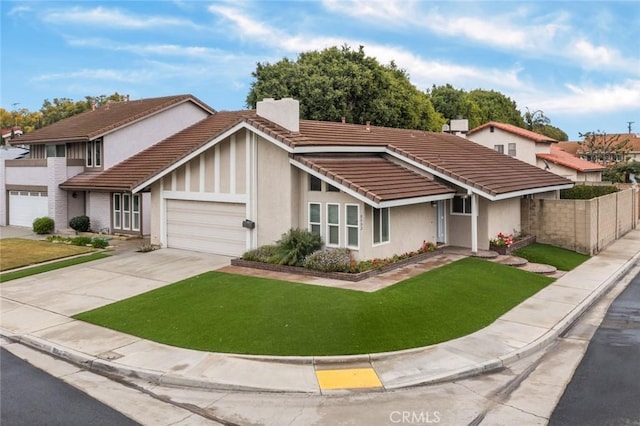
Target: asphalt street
<point>605,389</point>
<point>30,397</point>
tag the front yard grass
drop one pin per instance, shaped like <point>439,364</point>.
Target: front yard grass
<point>8,276</point>
<point>19,252</point>
<point>221,312</point>
<point>563,259</point>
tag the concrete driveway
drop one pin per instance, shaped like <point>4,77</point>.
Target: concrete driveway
<point>56,295</point>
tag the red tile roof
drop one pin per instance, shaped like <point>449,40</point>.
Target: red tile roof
<point>91,124</point>
<point>374,177</point>
<point>447,155</point>
<point>528,134</point>
<point>569,147</point>
<point>633,145</point>
<point>563,158</point>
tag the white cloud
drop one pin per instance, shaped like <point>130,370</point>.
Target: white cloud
<point>19,10</point>
<point>385,10</point>
<point>112,18</point>
<point>589,99</point>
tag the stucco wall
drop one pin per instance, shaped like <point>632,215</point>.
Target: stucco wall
<point>525,149</point>
<point>129,140</point>
<point>98,209</point>
<point>503,216</point>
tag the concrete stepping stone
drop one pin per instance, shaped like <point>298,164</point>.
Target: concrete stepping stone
<point>510,260</point>
<point>539,268</point>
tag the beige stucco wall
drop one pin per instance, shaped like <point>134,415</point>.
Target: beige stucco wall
<point>98,208</point>
<point>503,216</point>
<point>525,149</point>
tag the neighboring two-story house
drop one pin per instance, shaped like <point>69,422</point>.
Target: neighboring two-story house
<point>83,146</point>
<point>535,149</point>
<point>631,149</point>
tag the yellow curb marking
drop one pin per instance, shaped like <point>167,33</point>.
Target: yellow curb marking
<point>348,378</point>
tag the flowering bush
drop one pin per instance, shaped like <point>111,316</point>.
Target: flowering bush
<point>261,254</point>
<point>502,240</point>
<point>329,260</point>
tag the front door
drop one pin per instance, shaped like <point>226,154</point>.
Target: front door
<point>441,223</point>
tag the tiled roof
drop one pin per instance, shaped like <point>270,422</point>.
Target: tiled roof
<point>633,145</point>
<point>90,124</point>
<point>131,172</point>
<point>374,177</point>
<point>563,158</point>
<point>569,147</point>
<point>528,134</point>
<point>448,155</point>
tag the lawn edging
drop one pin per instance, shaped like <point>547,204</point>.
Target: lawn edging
<point>345,276</point>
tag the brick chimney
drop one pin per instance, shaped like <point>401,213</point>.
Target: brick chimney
<point>284,112</point>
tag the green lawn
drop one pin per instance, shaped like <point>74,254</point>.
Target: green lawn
<point>563,259</point>
<point>8,276</point>
<point>233,313</point>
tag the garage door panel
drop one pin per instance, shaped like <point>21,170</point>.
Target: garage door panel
<point>206,226</point>
<point>25,206</point>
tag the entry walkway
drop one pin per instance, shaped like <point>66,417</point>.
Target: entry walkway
<point>36,311</point>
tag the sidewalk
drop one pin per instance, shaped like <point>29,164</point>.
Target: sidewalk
<point>43,321</point>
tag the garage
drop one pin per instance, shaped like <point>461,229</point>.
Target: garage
<point>209,227</point>
<point>25,206</point>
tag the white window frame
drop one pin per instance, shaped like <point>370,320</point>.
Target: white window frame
<point>465,200</point>
<point>379,230</point>
<point>348,226</point>
<point>512,150</point>
<point>128,219</point>
<point>94,153</point>
<point>309,222</point>
<point>335,225</point>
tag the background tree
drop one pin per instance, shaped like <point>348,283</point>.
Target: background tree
<point>341,82</point>
<point>537,122</point>
<point>494,106</point>
<point>602,148</point>
<point>452,103</point>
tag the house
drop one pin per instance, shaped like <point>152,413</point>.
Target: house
<point>576,148</point>
<point>85,145</point>
<point>535,149</point>
<point>240,179</point>
<point>10,133</point>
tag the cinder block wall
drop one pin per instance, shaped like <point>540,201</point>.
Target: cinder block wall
<point>585,226</point>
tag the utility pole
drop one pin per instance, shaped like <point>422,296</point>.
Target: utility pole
<point>629,123</point>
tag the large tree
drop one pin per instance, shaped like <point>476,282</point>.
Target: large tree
<point>494,106</point>
<point>455,103</point>
<point>341,82</point>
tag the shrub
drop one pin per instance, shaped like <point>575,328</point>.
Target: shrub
<point>586,192</point>
<point>329,260</point>
<point>43,225</point>
<point>295,246</point>
<point>99,242</point>
<point>80,223</point>
<point>261,254</point>
<point>81,241</point>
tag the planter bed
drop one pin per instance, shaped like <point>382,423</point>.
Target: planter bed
<point>345,276</point>
<point>529,239</point>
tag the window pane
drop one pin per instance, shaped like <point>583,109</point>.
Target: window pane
<point>98,145</point>
<point>314,213</point>
<point>512,149</point>
<point>89,154</point>
<point>385,224</point>
<point>125,220</point>
<point>467,205</point>
<point>352,215</point>
<point>51,151</point>
<point>376,226</point>
<point>315,229</point>
<point>333,215</point>
<point>352,235</point>
<point>334,235</point>
<point>315,184</point>
<point>331,188</point>
<point>136,221</point>
<point>125,202</point>
<point>136,203</point>
<point>457,204</point>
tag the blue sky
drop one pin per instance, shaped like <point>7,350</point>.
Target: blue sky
<point>578,61</point>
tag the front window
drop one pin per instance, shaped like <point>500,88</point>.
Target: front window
<point>333,225</point>
<point>126,212</point>
<point>512,149</point>
<point>352,225</point>
<point>461,205</point>
<point>314,218</point>
<point>380,226</point>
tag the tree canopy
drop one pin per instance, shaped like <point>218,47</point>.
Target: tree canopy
<point>341,82</point>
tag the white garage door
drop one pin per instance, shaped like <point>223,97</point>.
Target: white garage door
<point>206,226</point>
<point>25,206</point>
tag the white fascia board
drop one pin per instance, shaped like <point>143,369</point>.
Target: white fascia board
<point>358,196</point>
<point>531,191</point>
<point>329,149</point>
<point>205,196</point>
<point>208,145</point>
